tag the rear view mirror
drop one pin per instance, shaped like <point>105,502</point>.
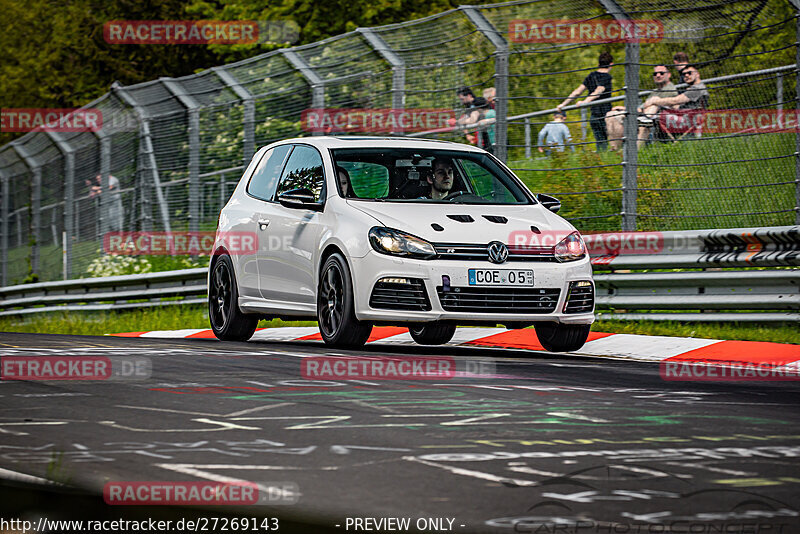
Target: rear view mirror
<point>551,203</point>
<point>299,198</point>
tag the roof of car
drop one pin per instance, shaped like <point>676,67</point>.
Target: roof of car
<point>350,141</point>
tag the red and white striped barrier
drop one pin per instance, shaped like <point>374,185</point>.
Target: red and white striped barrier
<point>623,346</point>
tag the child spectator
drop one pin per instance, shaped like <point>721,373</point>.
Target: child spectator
<point>555,134</point>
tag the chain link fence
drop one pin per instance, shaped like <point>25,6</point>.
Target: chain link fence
<point>174,148</point>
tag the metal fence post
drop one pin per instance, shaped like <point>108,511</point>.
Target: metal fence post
<point>584,120</point>
<point>147,151</point>
<point>192,106</point>
<point>249,120</point>
<point>143,186</point>
<point>105,173</point>
<point>527,138</point>
<point>397,63</point>
<point>500,77</point>
<point>316,83</point>
<point>36,200</point>
<point>630,151</point>
<point>630,154</point>
<point>779,91</point>
<point>796,4</point>
<point>69,199</point>
<point>4,216</point>
<point>222,192</point>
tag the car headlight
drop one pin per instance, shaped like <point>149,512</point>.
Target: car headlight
<point>397,243</point>
<point>571,248</point>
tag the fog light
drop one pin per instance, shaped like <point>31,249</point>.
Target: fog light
<point>395,280</point>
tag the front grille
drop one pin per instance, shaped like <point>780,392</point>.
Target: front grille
<point>499,299</point>
<point>579,299</point>
<point>476,252</point>
<point>400,296</point>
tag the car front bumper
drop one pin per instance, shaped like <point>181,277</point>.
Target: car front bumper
<point>367,271</point>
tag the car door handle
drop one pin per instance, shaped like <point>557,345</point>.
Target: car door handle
<point>262,224</point>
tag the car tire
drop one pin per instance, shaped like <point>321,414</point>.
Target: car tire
<point>336,306</point>
<point>227,321</point>
<point>432,333</point>
<point>556,337</point>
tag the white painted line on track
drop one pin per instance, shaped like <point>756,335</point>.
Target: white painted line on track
<point>172,334</point>
<point>7,474</point>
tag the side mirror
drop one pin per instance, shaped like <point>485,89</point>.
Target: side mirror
<point>299,198</point>
<point>551,203</point>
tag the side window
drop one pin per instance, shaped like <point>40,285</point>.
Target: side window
<point>265,176</point>
<point>303,171</point>
<point>367,180</point>
<point>484,183</point>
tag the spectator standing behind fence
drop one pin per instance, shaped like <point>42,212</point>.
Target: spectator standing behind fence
<point>484,118</point>
<point>471,114</point>
<point>599,85</point>
<point>555,135</point>
<point>680,60</point>
<point>490,94</point>
<point>111,210</point>
<point>487,127</point>
<point>470,103</point>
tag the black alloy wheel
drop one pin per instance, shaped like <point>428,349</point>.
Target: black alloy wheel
<point>227,321</point>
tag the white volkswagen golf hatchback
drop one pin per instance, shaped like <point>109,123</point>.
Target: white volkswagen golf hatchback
<point>359,231</point>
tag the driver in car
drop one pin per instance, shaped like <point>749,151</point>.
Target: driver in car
<point>442,182</point>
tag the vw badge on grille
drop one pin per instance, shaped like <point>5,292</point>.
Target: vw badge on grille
<point>498,252</point>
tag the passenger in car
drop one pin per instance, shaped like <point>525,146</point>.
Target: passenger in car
<point>344,183</point>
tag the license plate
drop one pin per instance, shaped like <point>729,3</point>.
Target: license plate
<point>500,277</point>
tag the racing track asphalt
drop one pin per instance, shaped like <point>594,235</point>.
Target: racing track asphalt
<point>546,443</point>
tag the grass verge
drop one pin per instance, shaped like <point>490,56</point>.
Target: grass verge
<point>178,317</point>
<point>101,323</point>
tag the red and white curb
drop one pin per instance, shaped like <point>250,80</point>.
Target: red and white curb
<point>625,346</point>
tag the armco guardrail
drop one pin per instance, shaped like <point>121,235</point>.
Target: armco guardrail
<point>106,293</point>
<point>743,295</point>
<point>710,282</point>
<point>776,246</point>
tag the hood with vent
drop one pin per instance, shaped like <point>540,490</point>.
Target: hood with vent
<point>463,223</point>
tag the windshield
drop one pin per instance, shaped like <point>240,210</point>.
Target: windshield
<point>406,175</point>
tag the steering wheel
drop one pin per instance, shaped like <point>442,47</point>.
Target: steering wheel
<point>455,194</point>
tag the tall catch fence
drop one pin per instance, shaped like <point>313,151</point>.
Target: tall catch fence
<point>174,147</point>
